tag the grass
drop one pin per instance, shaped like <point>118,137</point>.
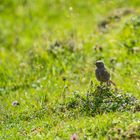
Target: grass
<point>47,54</point>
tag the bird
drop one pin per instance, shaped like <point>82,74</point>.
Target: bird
<point>102,74</point>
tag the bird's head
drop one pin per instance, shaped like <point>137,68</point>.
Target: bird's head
<point>99,64</point>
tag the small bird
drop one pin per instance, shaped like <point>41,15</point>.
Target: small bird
<point>102,74</point>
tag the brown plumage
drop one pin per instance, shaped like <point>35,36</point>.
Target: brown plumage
<point>102,74</point>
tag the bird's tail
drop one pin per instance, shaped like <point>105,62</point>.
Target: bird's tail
<point>111,82</point>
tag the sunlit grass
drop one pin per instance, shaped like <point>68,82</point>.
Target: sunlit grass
<point>48,51</point>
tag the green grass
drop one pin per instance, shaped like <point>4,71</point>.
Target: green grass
<point>48,50</point>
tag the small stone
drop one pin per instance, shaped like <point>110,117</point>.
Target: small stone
<point>15,103</point>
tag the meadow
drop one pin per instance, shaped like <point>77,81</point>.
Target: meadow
<point>48,88</point>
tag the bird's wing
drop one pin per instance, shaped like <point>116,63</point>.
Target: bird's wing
<point>106,74</point>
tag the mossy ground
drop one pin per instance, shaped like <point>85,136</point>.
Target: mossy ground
<point>48,49</point>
